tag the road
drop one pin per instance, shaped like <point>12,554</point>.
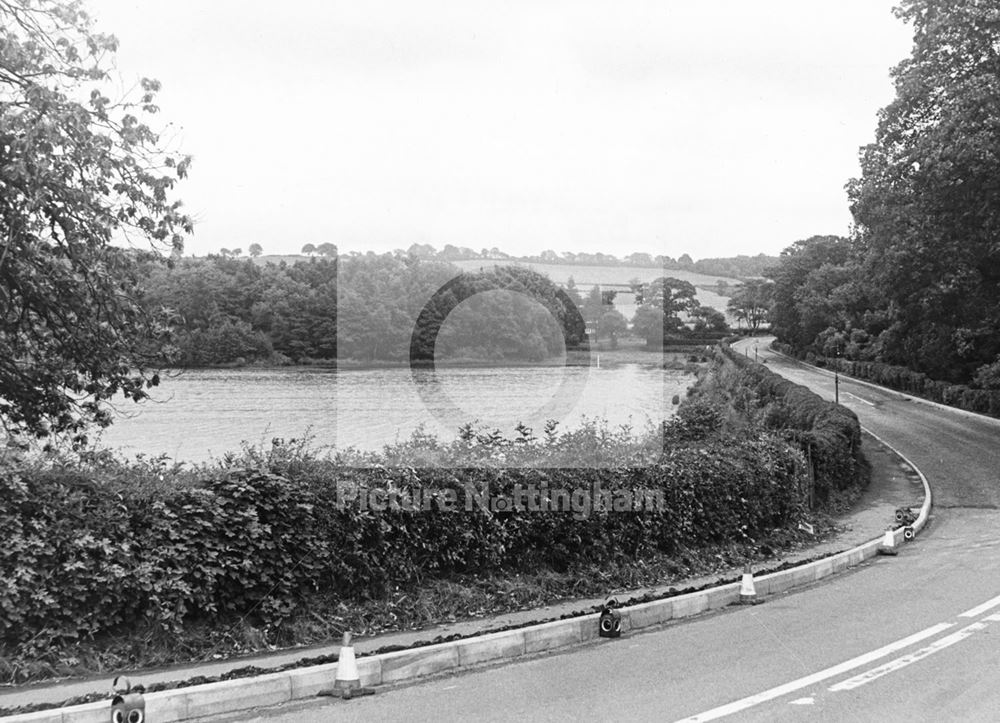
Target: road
<point>914,637</point>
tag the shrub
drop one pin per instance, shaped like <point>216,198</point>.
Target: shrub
<point>985,400</point>
<point>91,551</point>
<point>696,419</point>
<point>828,434</point>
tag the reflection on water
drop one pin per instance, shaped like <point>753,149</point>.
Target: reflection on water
<point>202,414</point>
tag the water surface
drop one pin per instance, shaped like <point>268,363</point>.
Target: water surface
<point>197,415</point>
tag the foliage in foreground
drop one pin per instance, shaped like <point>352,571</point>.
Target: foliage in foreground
<point>78,171</point>
<point>101,548</point>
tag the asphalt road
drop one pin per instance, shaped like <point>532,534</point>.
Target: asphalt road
<point>914,637</point>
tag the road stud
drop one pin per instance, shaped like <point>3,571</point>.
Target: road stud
<point>748,594</point>
<point>347,684</point>
<point>888,546</point>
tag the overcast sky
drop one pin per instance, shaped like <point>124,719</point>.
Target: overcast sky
<point>708,128</point>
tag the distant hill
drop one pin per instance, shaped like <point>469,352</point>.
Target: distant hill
<point>731,267</point>
<point>736,267</point>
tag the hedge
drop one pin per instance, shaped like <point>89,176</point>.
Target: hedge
<point>88,554</point>
<point>829,434</point>
<point>983,401</point>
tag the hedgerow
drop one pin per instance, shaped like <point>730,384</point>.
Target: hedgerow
<point>828,434</point>
<point>983,401</point>
<point>98,549</point>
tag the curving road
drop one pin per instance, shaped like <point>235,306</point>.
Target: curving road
<point>910,638</point>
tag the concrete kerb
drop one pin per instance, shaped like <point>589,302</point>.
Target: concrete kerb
<point>276,688</point>
<point>925,508</point>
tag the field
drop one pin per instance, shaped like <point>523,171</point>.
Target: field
<point>584,276</point>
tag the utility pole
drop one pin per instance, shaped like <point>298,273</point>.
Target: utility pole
<point>836,379</point>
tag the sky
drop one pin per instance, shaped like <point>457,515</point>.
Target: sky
<point>709,128</point>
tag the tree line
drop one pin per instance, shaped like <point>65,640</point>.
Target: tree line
<point>393,307</point>
<point>917,284</point>
<point>225,310</point>
<point>735,266</point>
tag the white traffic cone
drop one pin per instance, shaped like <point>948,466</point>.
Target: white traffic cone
<point>348,684</point>
<point>748,595</point>
<point>888,546</point>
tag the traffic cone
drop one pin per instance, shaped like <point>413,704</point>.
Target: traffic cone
<point>748,595</point>
<point>888,546</point>
<point>348,684</point>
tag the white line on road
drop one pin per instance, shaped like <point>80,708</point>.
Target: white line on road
<point>750,701</point>
<point>893,665</point>
<point>863,401</point>
<point>980,609</point>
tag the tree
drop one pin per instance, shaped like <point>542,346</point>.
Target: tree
<point>750,303</point>
<point>451,252</point>
<point>639,259</point>
<point>78,171</point>
<point>327,249</point>
<point>593,307</point>
<point>825,300</point>
<point>610,325</point>
<point>308,249</point>
<point>927,204</point>
<point>795,264</point>
<point>256,250</point>
<point>422,251</point>
<point>636,285</point>
<point>675,297</point>
<point>708,319</point>
<point>573,292</point>
<point>648,323</point>
<point>663,303</point>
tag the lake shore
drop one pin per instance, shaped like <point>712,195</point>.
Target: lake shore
<point>670,357</point>
<point>200,414</point>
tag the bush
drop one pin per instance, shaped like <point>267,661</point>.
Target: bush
<point>229,342</point>
<point>828,434</point>
<point>103,548</point>
<point>985,400</point>
<point>697,419</point>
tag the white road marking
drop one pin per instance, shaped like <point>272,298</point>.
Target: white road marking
<point>863,401</point>
<point>752,700</point>
<point>980,609</point>
<point>803,701</point>
<point>893,665</point>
